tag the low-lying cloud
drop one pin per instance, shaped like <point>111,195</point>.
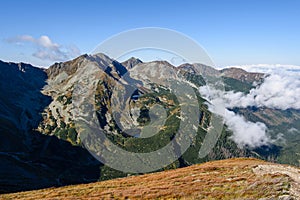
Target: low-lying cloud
<point>46,49</point>
<point>280,90</point>
<point>245,133</point>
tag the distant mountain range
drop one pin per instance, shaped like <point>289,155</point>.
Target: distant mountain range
<point>41,147</point>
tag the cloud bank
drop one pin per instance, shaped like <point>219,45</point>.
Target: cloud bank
<point>46,49</point>
<point>245,133</point>
<point>280,90</point>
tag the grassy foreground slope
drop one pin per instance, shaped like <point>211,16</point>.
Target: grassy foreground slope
<point>240,178</point>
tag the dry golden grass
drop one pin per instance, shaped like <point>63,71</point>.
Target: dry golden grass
<point>225,179</point>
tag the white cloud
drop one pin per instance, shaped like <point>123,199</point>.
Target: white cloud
<point>280,90</point>
<point>45,41</point>
<point>245,133</point>
<point>46,49</point>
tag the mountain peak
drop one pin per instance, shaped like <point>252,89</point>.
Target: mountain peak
<point>242,75</point>
<point>198,68</point>
<point>231,69</point>
<point>71,66</point>
<point>131,62</point>
<point>188,68</point>
<point>101,56</point>
<point>68,67</point>
<point>163,62</point>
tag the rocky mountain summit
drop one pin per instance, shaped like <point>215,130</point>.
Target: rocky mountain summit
<point>242,75</point>
<point>131,62</point>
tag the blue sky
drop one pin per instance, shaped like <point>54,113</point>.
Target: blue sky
<point>233,32</point>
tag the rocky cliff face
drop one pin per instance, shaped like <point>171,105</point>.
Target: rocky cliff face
<point>28,158</point>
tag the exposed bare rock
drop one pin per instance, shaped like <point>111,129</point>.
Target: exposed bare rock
<point>292,172</point>
<point>198,68</point>
<point>242,75</point>
<point>131,62</point>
